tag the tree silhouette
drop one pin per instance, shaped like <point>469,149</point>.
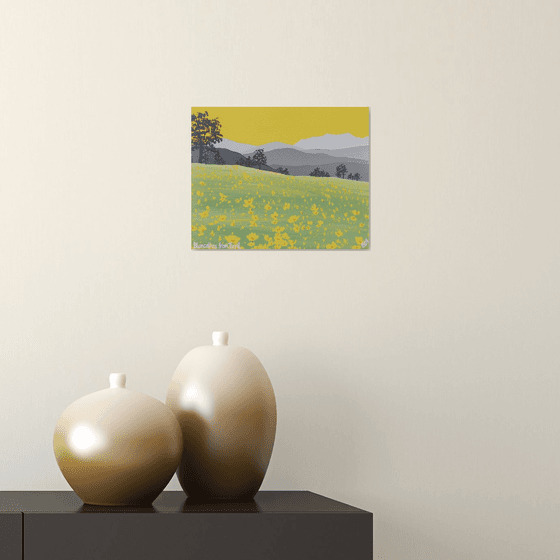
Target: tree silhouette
<point>283,170</point>
<point>357,177</point>
<point>341,170</point>
<point>259,158</point>
<point>350,176</point>
<point>245,162</point>
<point>318,173</point>
<point>205,133</point>
<point>218,159</point>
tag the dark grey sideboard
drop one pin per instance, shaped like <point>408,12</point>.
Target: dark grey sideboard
<point>274,526</point>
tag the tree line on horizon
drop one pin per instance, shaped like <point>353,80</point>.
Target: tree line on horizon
<point>341,171</point>
<point>207,132</point>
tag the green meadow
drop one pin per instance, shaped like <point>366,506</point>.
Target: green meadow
<point>237,207</point>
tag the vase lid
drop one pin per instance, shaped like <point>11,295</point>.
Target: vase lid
<point>220,338</point>
<point>117,381</point>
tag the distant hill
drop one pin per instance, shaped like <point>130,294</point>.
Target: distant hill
<point>357,152</point>
<point>235,146</point>
<point>250,148</point>
<point>289,157</point>
<point>317,143</point>
<point>300,163</point>
<point>361,168</point>
<point>331,142</point>
<point>229,156</point>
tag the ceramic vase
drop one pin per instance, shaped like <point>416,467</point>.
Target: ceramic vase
<point>225,405</point>
<point>117,446</point>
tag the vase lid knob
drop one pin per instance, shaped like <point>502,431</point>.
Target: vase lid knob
<point>117,381</point>
<point>220,338</point>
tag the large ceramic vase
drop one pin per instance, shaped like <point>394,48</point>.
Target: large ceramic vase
<point>118,447</point>
<point>225,405</point>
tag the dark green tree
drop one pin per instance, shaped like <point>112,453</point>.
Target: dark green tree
<point>341,170</point>
<point>283,170</point>
<point>350,176</point>
<point>357,177</point>
<point>205,132</point>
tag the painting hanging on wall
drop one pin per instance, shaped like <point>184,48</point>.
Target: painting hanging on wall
<point>280,178</point>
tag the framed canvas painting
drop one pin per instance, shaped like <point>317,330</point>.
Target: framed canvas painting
<point>280,178</point>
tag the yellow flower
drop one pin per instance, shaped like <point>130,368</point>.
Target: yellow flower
<point>355,212</point>
<point>319,223</point>
<point>232,239</point>
<point>193,228</point>
<point>353,218</point>
<point>274,215</point>
<point>204,214</point>
<point>248,203</point>
<point>338,233</point>
<point>203,183</point>
<point>222,197</point>
<point>287,206</point>
<point>362,225</point>
<point>199,193</point>
<point>223,218</point>
<point>201,230</point>
<point>309,223</point>
<point>314,209</point>
<point>267,207</point>
<point>292,219</point>
<point>272,192</point>
<point>232,224</point>
<point>332,245</point>
<point>211,234</point>
<point>359,240</point>
<point>296,228</point>
<point>252,237</point>
<point>251,244</point>
<point>279,229</point>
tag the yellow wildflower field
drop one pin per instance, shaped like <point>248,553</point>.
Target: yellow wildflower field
<point>237,207</point>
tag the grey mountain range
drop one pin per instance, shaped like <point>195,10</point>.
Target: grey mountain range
<point>326,142</point>
<point>331,142</point>
<point>323,152</point>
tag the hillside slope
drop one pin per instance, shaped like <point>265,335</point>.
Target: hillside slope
<point>253,209</point>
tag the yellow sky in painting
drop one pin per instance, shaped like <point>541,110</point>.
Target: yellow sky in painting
<point>260,125</point>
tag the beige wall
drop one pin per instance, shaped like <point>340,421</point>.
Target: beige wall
<point>418,380</point>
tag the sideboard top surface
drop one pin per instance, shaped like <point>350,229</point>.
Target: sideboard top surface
<point>294,501</point>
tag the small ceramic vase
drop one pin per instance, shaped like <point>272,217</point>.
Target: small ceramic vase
<point>118,447</point>
<point>225,405</point>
